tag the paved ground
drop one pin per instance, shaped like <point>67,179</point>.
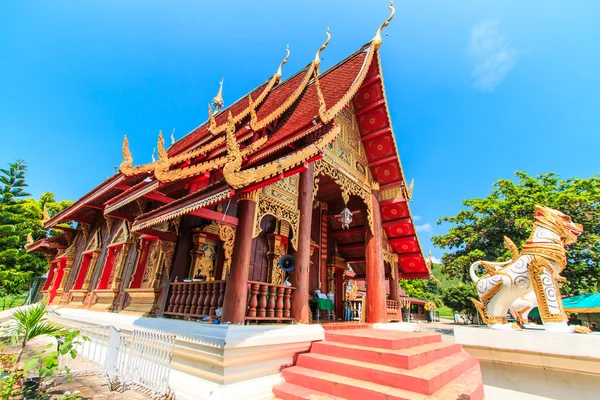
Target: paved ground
<point>445,327</point>
<point>94,387</point>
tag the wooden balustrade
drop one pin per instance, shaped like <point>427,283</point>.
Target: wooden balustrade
<point>269,302</point>
<point>195,299</point>
<point>355,307</point>
<point>393,311</point>
<point>266,302</point>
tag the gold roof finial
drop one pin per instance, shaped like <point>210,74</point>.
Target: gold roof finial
<point>287,49</point>
<point>29,238</point>
<point>127,158</point>
<point>217,101</point>
<point>377,39</point>
<point>323,46</point>
<point>162,153</point>
<point>173,137</point>
<point>46,214</point>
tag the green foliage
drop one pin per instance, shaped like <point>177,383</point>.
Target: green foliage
<point>478,231</point>
<point>458,298</point>
<point>70,395</point>
<point>424,289</point>
<point>19,217</point>
<point>28,323</point>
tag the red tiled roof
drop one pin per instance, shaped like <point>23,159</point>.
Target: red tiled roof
<point>193,138</point>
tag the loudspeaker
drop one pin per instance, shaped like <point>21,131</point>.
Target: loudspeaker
<point>287,263</point>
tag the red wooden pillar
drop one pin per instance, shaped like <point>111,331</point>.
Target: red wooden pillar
<point>394,293</point>
<point>301,274</point>
<point>324,252</point>
<point>236,290</point>
<point>376,305</point>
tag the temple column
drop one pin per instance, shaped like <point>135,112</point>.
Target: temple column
<point>236,290</point>
<point>394,293</point>
<point>324,254</point>
<point>300,275</point>
<point>376,305</point>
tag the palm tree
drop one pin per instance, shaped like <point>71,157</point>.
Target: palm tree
<point>29,323</point>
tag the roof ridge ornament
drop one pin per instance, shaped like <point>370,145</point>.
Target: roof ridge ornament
<point>253,116</point>
<point>127,157</point>
<point>323,46</point>
<point>173,137</point>
<point>377,39</point>
<point>217,101</point>
<point>287,49</point>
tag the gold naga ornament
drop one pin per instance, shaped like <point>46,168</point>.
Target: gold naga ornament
<point>236,178</point>
<point>536,268</point>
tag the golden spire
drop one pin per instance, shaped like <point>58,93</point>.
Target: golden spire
<point>318,55</point>
<point>377,38</point>
<point>173,137</point>
<point>287,49</point>
<point>217,101</point>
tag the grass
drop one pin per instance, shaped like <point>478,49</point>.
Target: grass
<point>445,312</point>
<point>7,302</point>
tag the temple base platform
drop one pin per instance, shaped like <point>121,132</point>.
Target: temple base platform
<point>214,361</point>
<point>534,364</point>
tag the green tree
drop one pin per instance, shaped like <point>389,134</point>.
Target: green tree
<point>19,217</point>
<point>478,230</point>
<point>458,298</point>
<point>424,289</point>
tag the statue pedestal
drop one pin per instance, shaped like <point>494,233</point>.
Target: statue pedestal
<point>534,364</point>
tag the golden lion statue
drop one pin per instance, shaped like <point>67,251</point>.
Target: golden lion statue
<point>536,268</point>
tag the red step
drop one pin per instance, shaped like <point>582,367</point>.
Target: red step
<point>468,386</point>
<point>381,339</point>
<point>289,391</point>
<point>425,379</point>
<point>407,358</point>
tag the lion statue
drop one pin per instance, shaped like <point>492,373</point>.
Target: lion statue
<point>535,269</point>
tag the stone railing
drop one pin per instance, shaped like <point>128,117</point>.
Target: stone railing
<point>194,300</point>
<point>269,302</point>
<point>393,311</point>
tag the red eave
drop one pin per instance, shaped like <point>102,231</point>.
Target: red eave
<point>113,182</point>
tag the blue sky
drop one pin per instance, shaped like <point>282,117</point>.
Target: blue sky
<point>477,89</point>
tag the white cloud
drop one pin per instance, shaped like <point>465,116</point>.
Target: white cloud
<point>493,54</point>
<point>423,228</point>
<point>435,260</point>
<point>416,217</point>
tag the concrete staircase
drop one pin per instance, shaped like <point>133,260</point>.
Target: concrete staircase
<point>368,364</point>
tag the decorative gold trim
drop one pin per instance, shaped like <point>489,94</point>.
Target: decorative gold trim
<point>261,97</point>
<point>239,179</point>
<point>279,70</point>
<point>317,61</point>
<point>327,115</point>
<point>510,245</point>
<point>268,205</point>
<point>220,196</point>
<point>131,198</point>
<point>377,39</point>
<point>126,165</point>
<point>163,174</point>
<point>348,186</point>
<point>227,236</point>
<point>540,274</point>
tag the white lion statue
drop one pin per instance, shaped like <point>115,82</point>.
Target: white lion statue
<point>535,269</point>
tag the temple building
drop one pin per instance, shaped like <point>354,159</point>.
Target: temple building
<point>305,166</point>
